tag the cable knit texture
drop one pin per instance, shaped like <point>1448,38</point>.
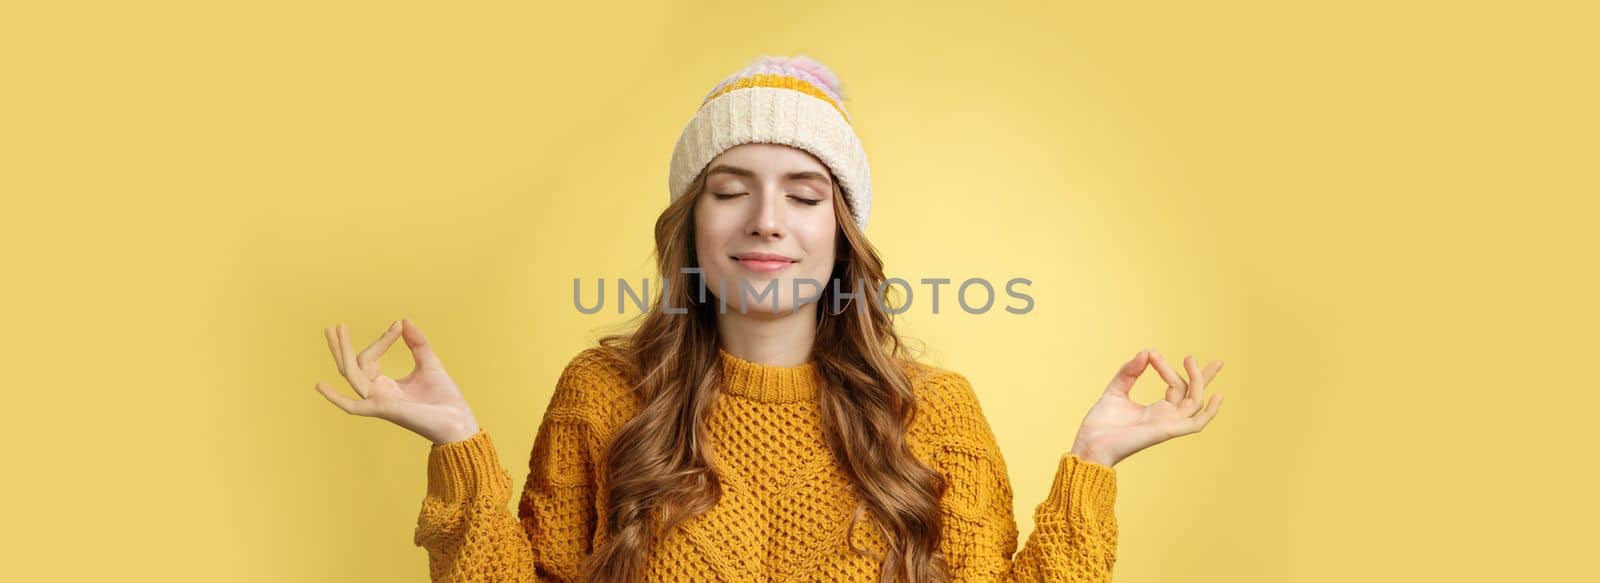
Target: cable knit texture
<point>786,501</point>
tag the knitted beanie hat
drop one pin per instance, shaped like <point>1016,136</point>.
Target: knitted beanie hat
<point>793,101</point>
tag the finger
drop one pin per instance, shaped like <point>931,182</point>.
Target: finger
<point>421,350</point>
<point>368,359</point>
<point>1123,381</point>
<point>349,405</point>
<point>1196,389</point>
<point>1197,379</point>
<point>1212,370</point>
<point>1176,387</point>
<point>333,346</point>
<point>352,370</point>
<point>1200,421</point>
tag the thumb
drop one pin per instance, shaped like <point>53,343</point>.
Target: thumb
<point>1123,381</point>
<point>421,351</point>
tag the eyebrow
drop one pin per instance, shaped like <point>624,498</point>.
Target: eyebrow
<point>737,171</point>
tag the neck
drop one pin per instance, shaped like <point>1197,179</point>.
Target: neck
<point>768,383</point>
<point>777,339</point>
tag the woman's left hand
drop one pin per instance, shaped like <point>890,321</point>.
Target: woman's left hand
<point>1116,427</point>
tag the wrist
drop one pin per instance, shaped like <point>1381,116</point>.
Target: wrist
<point>465,431</point>
<point>1089,453</point>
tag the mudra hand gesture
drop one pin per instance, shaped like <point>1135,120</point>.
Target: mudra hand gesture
<point>1116,427</point>
<point>426,401</point>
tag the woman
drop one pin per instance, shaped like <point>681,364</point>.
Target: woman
<point>746,430</point>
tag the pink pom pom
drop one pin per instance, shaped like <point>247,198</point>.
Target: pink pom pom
<point>799,66</point>
<point>816,70</point>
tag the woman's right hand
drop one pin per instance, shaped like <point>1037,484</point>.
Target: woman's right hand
<point>425,401</point>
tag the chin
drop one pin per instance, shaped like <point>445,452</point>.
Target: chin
<point>764,306</point>
<point>783,288</point>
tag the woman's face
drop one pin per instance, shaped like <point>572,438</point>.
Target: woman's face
<point>765,219</point>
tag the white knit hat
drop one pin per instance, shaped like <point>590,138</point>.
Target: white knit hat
<point>793,101</point>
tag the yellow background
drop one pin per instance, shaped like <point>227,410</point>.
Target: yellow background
<point>1380,215</point>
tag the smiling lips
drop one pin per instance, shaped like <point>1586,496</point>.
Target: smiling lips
<point>763,262</point>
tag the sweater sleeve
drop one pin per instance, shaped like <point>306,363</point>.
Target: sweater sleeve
<point>1075,529</point>
<point>465,525</point>
<point>471,536</point>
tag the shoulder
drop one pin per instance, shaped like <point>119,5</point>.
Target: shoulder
<point>594,386</point>
<point>939,387</point>
<point>948,409</point>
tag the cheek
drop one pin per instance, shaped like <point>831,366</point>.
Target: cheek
<point>819,244</point>
<point>717,222</point>
<point>712,240</point>
<point>819,239</point>
<point>708,233</point>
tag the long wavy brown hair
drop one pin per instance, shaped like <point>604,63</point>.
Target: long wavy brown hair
<point>660,463</point>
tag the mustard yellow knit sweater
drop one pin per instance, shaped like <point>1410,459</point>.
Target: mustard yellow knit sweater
<point>785,502</point>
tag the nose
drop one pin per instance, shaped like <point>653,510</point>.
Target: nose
<point>767,219</point>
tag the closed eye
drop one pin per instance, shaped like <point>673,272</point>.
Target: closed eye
<point>803,200</point>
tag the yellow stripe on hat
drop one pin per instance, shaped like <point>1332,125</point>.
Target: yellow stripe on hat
<point>780,82</point>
